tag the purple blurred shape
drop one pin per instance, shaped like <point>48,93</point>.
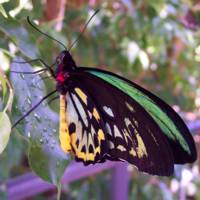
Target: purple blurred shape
<point>29,185</point>
<point>190,21</point>
<point>120,180</point>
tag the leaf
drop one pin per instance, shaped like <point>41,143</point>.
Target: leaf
<point>3,85</point>
<point>19,34</point>
<point>15,150</point>
<point>5,129</point>
<point>2,11</point>
<point>5,61</point>
<point>40,127</point>
<point>48,163</point>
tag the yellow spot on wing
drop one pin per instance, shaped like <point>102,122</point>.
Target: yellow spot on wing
<point>141,149</point>
<point>101,135</point>
<point>73,139</point>
<point>77,150</point>
<point>132,152</point>
<point>82,95</point>
<point>130,107</point>
<point>63,129</point>
<point>97,150</point>
<point>90,156</point>
<point>96,114</point>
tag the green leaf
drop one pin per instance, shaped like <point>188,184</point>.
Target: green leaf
<point>15,150</point>
<point>2,11</point>
<point>19,35</point>
<point>5,61</point>
<point>47,163</point>
<point>5,129</point>
<point>40,127</point>
<point>3,85</point>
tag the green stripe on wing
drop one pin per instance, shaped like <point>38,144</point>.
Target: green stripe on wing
<point>162,119</point>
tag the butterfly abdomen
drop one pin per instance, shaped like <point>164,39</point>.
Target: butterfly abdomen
<point>64,135</point>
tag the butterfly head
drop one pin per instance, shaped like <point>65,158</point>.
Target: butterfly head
<point>65,64</point>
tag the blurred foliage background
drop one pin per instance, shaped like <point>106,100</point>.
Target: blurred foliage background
<point>153,43</point>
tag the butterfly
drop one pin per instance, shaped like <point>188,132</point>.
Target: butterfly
<point>104,116</point>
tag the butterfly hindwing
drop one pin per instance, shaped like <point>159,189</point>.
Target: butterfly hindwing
<point>88,140</point>
<point>130,133</point>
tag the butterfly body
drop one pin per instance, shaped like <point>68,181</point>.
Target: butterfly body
<point>106,117</point>
<point>65,65</point>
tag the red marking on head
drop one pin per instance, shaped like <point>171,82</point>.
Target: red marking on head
<point>60,77</point>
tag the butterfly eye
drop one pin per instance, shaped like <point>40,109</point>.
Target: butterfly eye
<point>58,60</point>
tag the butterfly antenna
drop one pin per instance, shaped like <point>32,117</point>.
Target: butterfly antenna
<point>85,26</point>
<point>36,28</point>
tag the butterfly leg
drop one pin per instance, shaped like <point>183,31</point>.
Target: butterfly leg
<point>63,130</point>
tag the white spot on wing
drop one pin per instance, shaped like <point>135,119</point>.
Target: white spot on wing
<point>80,109</point>
<point>108,111</point>
<point>92,131</point>
<point>126,135</point>
<point>90,115</point>
<point>117,132</point>
<point>127,122</point>
<point>90,141</point>
<point>72,117</point>
<point>108,129</point>
<point>111,144</point>
<point>121,148</point>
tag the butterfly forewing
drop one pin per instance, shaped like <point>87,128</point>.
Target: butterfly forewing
<point>175,130</point>
<point>130,132</point>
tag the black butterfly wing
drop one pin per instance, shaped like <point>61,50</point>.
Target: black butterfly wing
<point>130,132</point>
<point>174,128</point>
